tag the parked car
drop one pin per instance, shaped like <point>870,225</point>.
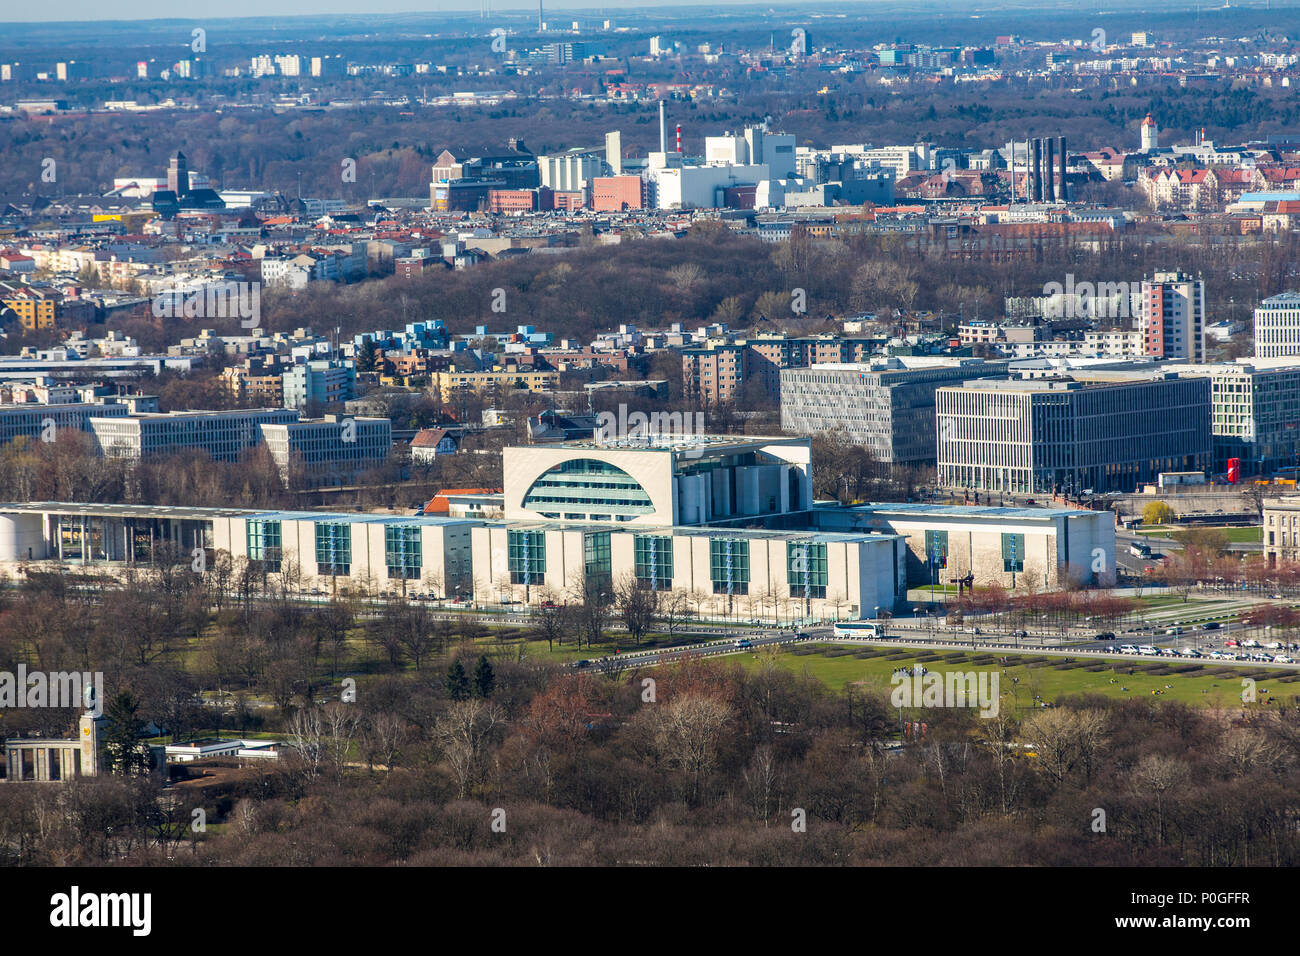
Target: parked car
<point>1190,652</point>
<point>1250,642</point>
<point>1282,659</point>
<point>1147,649</point>
<point>583,663</point>
<point>1128,649</point>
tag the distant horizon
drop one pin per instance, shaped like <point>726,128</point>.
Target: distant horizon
<point>92,11</point>
<point>120,11</point>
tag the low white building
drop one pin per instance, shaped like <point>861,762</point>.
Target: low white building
<point>309,550</point>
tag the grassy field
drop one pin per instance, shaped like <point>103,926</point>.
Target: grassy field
<point>1236,534</point>
<point>1026,676</point>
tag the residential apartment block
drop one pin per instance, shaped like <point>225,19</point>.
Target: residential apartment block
<point>447,384</point>
<point>721,371</point>
<point>320,382</point>
<point>1173,316</point>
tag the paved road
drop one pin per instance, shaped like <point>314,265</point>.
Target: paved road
<point>918,637</point>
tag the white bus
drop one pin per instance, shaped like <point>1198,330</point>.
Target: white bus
<point>862,629</point>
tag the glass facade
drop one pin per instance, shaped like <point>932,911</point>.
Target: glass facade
<point>333,548</point>
<point>590,488</point>
<point>654,561</point>
<point>264,543</point>
<point>1013,552</point>
<point>806,569</point>
<point>526,556</point>
<point>595,553</point>
<point>729,565</point>
<point>402,551</point>
<point>936,550</point>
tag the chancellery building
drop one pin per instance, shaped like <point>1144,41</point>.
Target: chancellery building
<point>727,522</point>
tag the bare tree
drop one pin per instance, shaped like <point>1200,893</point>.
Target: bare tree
<point>464,735</point>
<point>383,739</point>
<point>687,730</point>
<point>637,607</point>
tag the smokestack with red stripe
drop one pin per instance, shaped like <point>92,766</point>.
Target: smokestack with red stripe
<point>679,138</point>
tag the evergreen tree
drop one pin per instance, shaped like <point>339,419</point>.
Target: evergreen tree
<point>485,680</point>
<point>457,682</point>
<point>125,752</point>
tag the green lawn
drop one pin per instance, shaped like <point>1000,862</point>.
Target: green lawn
<point>1235,534</point>
<point>1216,686</point>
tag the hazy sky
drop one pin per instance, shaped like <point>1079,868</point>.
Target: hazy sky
<point>12,10</point>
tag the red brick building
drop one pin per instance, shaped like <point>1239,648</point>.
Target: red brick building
<point>617,193</point>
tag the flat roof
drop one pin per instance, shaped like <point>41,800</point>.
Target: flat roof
<point>698,531</point>
<point>667,442</point>
<point>209,514</point>
<point>960,511</point>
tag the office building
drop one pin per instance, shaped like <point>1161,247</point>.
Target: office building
<point>1281,517</point>
<point>41,421</point>
<point>1277,326</point>
<point>333,450</point>
<point>357,553</point>
<point>664,476</point>
<point>225,436</point>
<point>1072,434</point>
<point>886,406</point>
<point>1009,546</point>
<point>1255,412</point>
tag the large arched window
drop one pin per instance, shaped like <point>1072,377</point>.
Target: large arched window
<point>584,487</point>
